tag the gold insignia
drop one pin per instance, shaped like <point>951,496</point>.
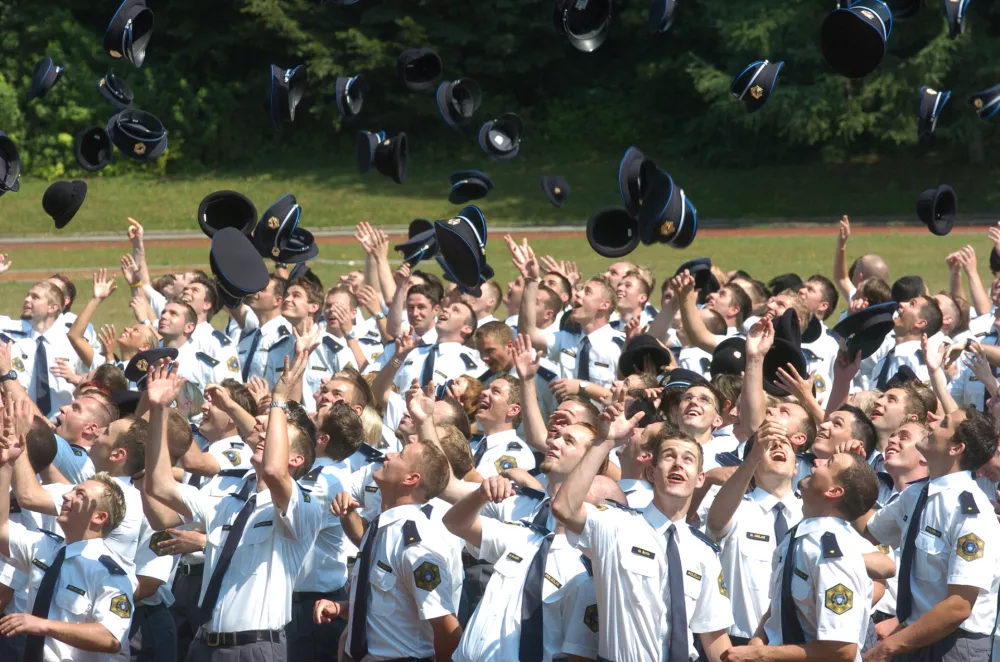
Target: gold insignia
<point>505,462</point>
<point>929,90</point>
<point>232,456</point>
<point>142,365</point>
<point>273,223</point>
<point>978,103</point>
<point>722,585</point>
<point>884,549</point>
<point>693,575</point>
<point>970,547</point>
<point>454,221</point>
<point>120,606</point>
<point>839,599</point>
<point>101,84</point>
<point>385,142</point>
<point>557,190</point>
<point>737,354</point>
<point>156,539</point>
<point>756,91</point>
<point>427,576</point>
<point>18,365</point>
<point>233,364</point>
<point>275,251</point>
<point>115,54</point>
<point>820,384</point>
<point>590,617</point>
<point>139,148</point>
<point>867,14</point>
<point>667,229</point>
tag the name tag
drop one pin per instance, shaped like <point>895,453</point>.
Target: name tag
<point>934,532</point>
<point>601,365</point>
<point>320,368</point>
<point>645,553</point>
<point>514,557</point>
<point>371,488</point>
<point>693,575</point>
<point>800,574</point>
<point>78,591</point>
<point>410,362</point>
<point>569,352</point>
<point>383,566</point>
<point>39,564</point>
<point>259,525</point>
<point>554,581</point>
<point>761,537</point>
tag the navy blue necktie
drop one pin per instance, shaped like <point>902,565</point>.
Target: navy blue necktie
<point>678,644</point>
<point>228,549</point>
<point>35,647</point>
<point>780,526</point>
<point>583,360</point>
<point>990,339</point>
<point>427,374</point>
<point>254,344</point>
<point>480,451</point>
<point>791,628</point>
<point>42,391</point>
<point>530,647</point>
<point>359,606</point>
<point>883,374</point>
<point>904,594</point>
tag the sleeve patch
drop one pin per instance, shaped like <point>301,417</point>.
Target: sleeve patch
<point>723,589</point>
<point>590,618</point>
<point>970,547</point>
<point>120,606</point>
<point>839,599</point>
<point>156,539</point>
<point>505,462</point>
<point>427,576</point>
<point>232,456</point>
<point>233,364</point>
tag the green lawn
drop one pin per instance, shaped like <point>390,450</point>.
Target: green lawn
<point>762,257</point>
<point>334,194</point>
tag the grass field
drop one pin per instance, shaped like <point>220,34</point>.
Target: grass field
<point>764,257</point>
<point>334,194</point>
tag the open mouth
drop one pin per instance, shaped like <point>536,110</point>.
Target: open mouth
<point>779,456</point>
<point>693,411</point>
<point>676,478</point>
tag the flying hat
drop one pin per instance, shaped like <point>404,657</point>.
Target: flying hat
<point>137,134</point>
<point>388,155</point>
<point>500,138</point>
<point>814,329</point>
<point>754,85</point>
<point>636,350</point>
<point>931,104</point>
<point>987,102</point>
<point>422,244</point>
<point>419,68</point>
<point>612,232</point>
<point>904,374</point>
<point>226,209</point>
<point>585,24</point>
<point>237,266</point>
<point>469,185</point>
<point>126,401</point>
<point>955,12</point>
<point>115,91</point>
<point>865,330</point>
<point>45,76</point>
<point>631,185</point>
<point>853,39</point>
<point>556,189</point>
<point>62,200</point>
<point>278,235</point>
<point>704,280</point>
<point>937,208</point>
<point>661,15</point>
<point>787,349</point>
<point>10,165</point>
<point>350,96</point>
<point>93,148</point>
<point>462,246</point>
<point>287,88</point>
<point>667,215</point>
<point>137,369</point>
<point>729,357</point>
<point>128,33</point>
<point>457,100</point>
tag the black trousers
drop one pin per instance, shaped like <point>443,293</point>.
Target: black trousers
<point>307,640</point>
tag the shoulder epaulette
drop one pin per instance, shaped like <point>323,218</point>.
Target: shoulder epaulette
<point>15,332</point>
<point>885,478</point>
<point>968,503</point>
<point>706,364</point>
<point>111,565</point>
<point>618,340</point>
<point>206,359</point>
<point>410,534</point>
<point>650,310</point>
<point>705,539</point>
<point>233,473</point>
<point>332,344</point>
<point>283,332</point>
<point>831,550</point>
<point>15,507</point>
<point>369,341</point>
<point>53,535</point>
<point>467,360</point>
<point>588,564</point>
<point>313,474</point>
<point>514,446</point>
<point>621,506</point>
<point>222,338</point>
<point>728,459</point>
<point>920,355</point>
<point>485,376</point>
<point>546,374</point>
<point>371,454</point>
<point>427,509</point>
<point>530,493</point>
<point>79,451</point>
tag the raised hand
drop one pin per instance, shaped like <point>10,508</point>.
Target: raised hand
<point>107,337</point>
<point>857,303</point>
<point>790,380</point>
<point>130,270</point>
<point>163,384</point>
<point>405,344</point>
<point>11,444</point>
<point>219,396</point>
<point>104,286</point>
<point>259,390</point>
<point>402,275</point>
<point>994,234</point>
<point>525,359</point>
<point>135,233</point>
<point>419,403</point>
<point>343,505</point>
<point>981,368</point>
<point>496,488</point>
<point>62,369</point>
<point>845,368</point>
<point>682,285</point>
<point>307,341</point>
<point>632,328</point>
<point>523,258</point>
<point>933,356</point>
<point>369,299</point>
<point>612,424</point>
<point>760,338</point>
<point>967,258</point>
<point>5,262</point>
<point>844,231</point>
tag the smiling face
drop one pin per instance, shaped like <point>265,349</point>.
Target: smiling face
<point>677,472</point>
<point>564,452</point>
<point>215,423</point>
<point>494,403</point>
<point>822,482</point>
<point>334,390</point>
<point>890,410</point>
<point>779,460</point>
<point>135,338</point>
<point>811,293</point>
<point>452,321</point>
<point>265,301</point>
<point>296,305</point>
<point>699,412</point>
<point>421,312</point>
<point>901,454</point>
<point>937,446</point>
<point>631,294</point>
<point>196,296</point>
<point>76,420</point>
<point>590,302</point>
<point>79,510</point>
<point>778,304</point>
<point>494,353</point>
<point>908,321</point>
<point>838,428</point>
<point>173,322</point>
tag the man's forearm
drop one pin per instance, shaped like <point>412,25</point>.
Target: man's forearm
<point>30,494</point>
<point>462,519</point>
<point>531,415</point>
<point>730,495</point>
<point>977,293</point>
<point>814,651</point>
<point>663,322</point>
<point>159,482</point>
<point>527,319</point>
<point>76,332</point>
<point>752,399</point>
<point>694,325</point>
<point>92,637</point>
<point>5,476</point>
<point>567,506</point>
<point>939,384</point>
<point>394,320</point>
<point>943,618</point>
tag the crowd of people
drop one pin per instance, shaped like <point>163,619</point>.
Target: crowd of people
<point>565,468</point>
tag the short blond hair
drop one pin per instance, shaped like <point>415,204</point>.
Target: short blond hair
<point>112,502</point>
<point>371,421</point>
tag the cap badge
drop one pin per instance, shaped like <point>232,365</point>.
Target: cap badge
<point>978,103</point>
<point>454,221</point>
<point>142,365</point>
<point>275,251</point>
<point>667,229</point>
<point>557,190</point>
<point>139,148</point>
<point>756,91</point>
<point>273,223</point>
<point>867,14</point>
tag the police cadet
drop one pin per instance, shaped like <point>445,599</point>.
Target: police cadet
<point>177,323</point>
<point>153,634</point>
<point>540,600</point>
<point>448,357</point>
<point>493,342</point>
<point>821,594</point>
<point>406,583</point>
<point>651,557</point>
<point>421,304</point>
<point>949,539</point>
<point>80,598</point>
<point>202,294</point>
<point>226,448</point>
<point>917,317</point>
<point>499,416</point>
<point>264,330</point>
<point>257,539</point>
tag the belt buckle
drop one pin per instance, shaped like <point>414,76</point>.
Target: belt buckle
<point>212,639</point>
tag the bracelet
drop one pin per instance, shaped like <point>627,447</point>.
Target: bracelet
<point>136,286</point>
<point>279,405</point>
<point>378,316</point>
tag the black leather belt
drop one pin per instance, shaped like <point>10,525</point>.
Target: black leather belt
<point>311,596</point>
<point>191,569</point>
<point>226,639</point>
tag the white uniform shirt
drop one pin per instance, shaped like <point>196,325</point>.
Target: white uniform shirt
<point>605,349</point>
<point>57,345</point>
<point>821,355</point>
<point>965,388</point>
<point>423,345</point>
<point>451,361</point>
<point>638,492</point>
<point>219,486</point>
<point>201,369</point>
<point>274,335</point>
<point>696,360</point>
<point>569,604</point>
<point>73,461</point>
<point>504,450</point>
<point>217,345</point>
<point>325,567</point>
<point>331,356</point>
<point>151,562</point>
<point>904,353</point>
<point>256,592</point>
<point>832,591</point>
<point>747,553</point>
<point>408,585</point>
<point>364,490</point>
<point>954,545</point>
<point>92,587</point>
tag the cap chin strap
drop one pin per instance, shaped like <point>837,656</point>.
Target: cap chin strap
<point>752,79</point>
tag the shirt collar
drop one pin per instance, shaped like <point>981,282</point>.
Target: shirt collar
<point>597,334</point>
<point>953,481</point>
<point>498,438</point>
<point>629,483</point>
<point>225,441</point>
<point>322,461</point>
<point>908,348</point>
<point>656,519</point>
<point>80,546</point>
<point>397,513</point>
<point>271,326</point>
<point>767,501</point>
<point>831,524</point>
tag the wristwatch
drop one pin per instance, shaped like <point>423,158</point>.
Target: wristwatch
<point>353,335</point>
<point>378,316</point>
<point>8,377</point>
<point>583,386</point>
<point>279,405</point>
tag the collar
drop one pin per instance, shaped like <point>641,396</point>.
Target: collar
<point>954,481</point>
<point>322,461</point>
<point>271,326</point>
<point>830,523</point>
<point>228,440</point>
<point>506,436</point>
<point>658,520</point>
<point>766,501</point>
<point>486,320</point>
<point>907,348</point>
<point>202,329</point>
<point>124,480</point>
<point>397,513</point>
<point>630,483</point>
<point>49,335</point>
<point>80,546</point>
<point>430,337</point>
<point>724,431</point>
<point>605,331</point>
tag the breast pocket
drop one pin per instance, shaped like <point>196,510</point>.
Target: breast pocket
<point>72,602</point>
<point>757,555</point>
<point>383,583</point>
<point>567,364</point>
<point>602,372</point>
<point>932,564</point>
<point>252,555</point>
<point>640,560</point>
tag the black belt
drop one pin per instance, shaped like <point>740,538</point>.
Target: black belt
<point>312,596</point>
<point>191,569</point>
<point>227,639</point>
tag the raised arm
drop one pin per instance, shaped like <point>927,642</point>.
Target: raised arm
<point>397,310</point>
<point>843,374</point>
<point>687,301</point>
<point>664,321</point>
<point>752,399</point>
<point>978,296</point>
<point>463,518</point>
<point>531,413</point>
<point>163,386</point>
<point>103,288</point>
<point>934,358</point>
<point>11,447</point>
<point>840,277</point>
<point>527,318</point>
<point>720,515</point>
